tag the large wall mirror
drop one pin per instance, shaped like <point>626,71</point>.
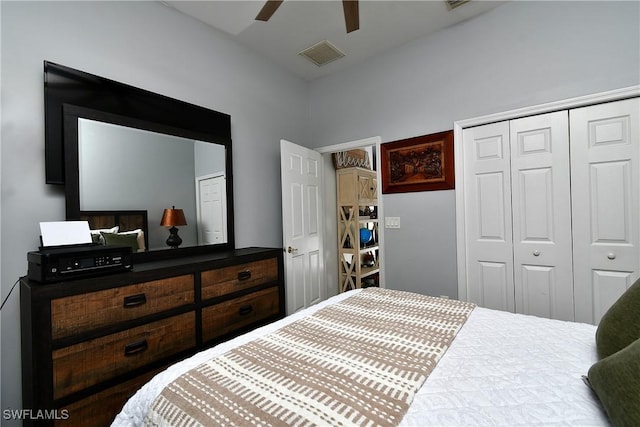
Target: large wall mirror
<point>126,151</point>
<point>152,171</point>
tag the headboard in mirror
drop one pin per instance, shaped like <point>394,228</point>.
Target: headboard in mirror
<point>129,227</point>
<point>120,147</point>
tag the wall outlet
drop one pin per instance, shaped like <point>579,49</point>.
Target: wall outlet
<point>391,222</point>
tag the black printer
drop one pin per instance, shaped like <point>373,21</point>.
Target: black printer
<point>59,263</point>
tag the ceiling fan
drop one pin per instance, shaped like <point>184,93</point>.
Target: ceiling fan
<point>350,7</point>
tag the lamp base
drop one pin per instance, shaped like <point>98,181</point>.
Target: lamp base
<point>174,240</point>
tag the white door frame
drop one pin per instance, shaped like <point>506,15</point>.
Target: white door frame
<point>459,125</point>
<point>374,142</point>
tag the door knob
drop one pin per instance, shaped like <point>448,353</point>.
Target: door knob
<point>291,249</point>
<point>611,255</point>
<point>536,253</point>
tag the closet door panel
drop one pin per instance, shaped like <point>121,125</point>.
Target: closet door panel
<point>494,287</point>
<point>607,287</point>
<point>537,288</point>
<point>610,185</point>
<point>488,216</point>
<point>542,215</point>
<point>605,144</point>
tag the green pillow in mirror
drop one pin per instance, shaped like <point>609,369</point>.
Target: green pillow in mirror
<point>620,325</point>
<point>616,381</point>
<point>121,240</point>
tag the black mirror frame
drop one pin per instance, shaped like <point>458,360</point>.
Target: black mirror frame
<point>71,94</point>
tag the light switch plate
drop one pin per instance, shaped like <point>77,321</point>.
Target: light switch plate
<point>391,222</point>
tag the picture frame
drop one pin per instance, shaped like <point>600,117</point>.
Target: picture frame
<point>422,163</point>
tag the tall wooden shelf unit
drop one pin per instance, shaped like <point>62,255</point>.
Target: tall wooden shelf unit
<point>359,262</point>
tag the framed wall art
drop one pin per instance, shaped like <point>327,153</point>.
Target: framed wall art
<point>422,163</point>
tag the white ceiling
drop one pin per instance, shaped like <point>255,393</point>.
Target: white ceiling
<point>298,24</point>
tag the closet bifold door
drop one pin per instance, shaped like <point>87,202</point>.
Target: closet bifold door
<point>487,198</point>
<point>541,211</point>
<point>518,216</point>
<point>605,175</point>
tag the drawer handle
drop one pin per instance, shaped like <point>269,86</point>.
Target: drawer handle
<point>135,300</point>
<point>244,275</point>
<point>135,347</point>
<point>245,309</point>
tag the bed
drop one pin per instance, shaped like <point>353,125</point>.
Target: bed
<point>499,369</point>
<point>119,227</point>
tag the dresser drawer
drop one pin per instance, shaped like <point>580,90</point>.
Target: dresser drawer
<point>100,409</point>
<point>228,316</point>
<point>226,280</point>
<point>80,313</point>
<point>82,365</point>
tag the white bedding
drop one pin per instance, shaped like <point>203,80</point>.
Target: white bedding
<point>502,369</point>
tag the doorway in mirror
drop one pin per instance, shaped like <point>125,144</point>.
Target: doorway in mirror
<point>211,209</point>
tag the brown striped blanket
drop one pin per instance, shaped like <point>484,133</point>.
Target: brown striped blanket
<point>358,362</point>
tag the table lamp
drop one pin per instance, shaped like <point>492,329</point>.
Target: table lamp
<point>171,218</point>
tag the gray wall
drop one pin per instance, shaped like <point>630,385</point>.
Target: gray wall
<point>520,54</point>
<point>209,158</point>
<point>147,45</point>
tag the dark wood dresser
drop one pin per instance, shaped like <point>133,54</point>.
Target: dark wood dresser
<point>89,344</point>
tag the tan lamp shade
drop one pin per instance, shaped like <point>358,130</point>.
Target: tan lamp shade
<point>172,217</point>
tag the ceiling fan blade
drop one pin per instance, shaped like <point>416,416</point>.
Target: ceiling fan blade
<point>351,15</point>
<point>268,9</point>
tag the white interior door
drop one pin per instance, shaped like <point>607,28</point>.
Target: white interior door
<point>302,208</point>
<point>605,176</point>
<point>212,209</point>
<point>541,208</point>
<point>487,183</point>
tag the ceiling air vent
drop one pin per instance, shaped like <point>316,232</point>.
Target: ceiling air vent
<point>322,53</point>
<point>455,3</point>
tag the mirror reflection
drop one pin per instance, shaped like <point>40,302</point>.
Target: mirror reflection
<point>132,169</point>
